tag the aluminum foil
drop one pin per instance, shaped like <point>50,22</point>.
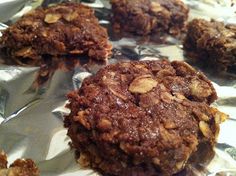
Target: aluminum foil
<point>8,8</point>
<point>32,117</point>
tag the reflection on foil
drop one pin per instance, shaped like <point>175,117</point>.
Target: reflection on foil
<point>229,149</point>
<point>3,99</point>
<point>8,8</point>
<point>96,4</point>
<point>15,89</point>
<point>2,27</point>
<point>221,10</point>
<point>78,78</point>
<point>32,115</point>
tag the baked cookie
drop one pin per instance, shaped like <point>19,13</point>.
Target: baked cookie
<point>63,29</point>
<point>20,167</point>
<point>212,43</point>
<point>149,16</point>
<point>144,116</point>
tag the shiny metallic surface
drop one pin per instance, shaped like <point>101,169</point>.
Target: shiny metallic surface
<point>32,117</point>
<point>8,8</point>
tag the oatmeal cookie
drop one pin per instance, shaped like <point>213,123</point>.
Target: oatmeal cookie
<point>148,116</point>
<point>20,167</point>
<point>149,16</point>
<point>212,43</point>
<point>63,29</point>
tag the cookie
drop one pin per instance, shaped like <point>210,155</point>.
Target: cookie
<point>62,30</point>
<point>19,167</point>
<point>212,43</point>
<point>149,16</point>
<point>147,116</point>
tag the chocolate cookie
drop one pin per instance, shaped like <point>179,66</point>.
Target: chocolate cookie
<point>149,16</point>
<point>213,43</point>
<point>144,116</point>
<point>20,167</point>
<point>63,29</point>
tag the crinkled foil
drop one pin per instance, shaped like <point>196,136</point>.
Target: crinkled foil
<point>32,117</point>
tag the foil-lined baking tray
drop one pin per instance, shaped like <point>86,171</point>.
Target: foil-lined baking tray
<point>31,116</point>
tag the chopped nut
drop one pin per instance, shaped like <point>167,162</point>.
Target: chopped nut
<point>81,118</point>
<point>170,125</point>
<point>114,90</point>
<point>228,33</point>
<point>142,68</point>
<point>217,130</point>
<point>219,116</point>
<point>111,74</point>
<point>193,142</point>
<point>104,78</point>
<point>52,18</point>
<point>205,129</point>
<point>84,160</point>
<point>123,147</point>
<point>200,89</point>
<point>148,100</point>
<point>183,68</point>
<point>166,97</point>
<point>31,23</point>
<point>165,72</point>
<point>109,79</point>
<point>156,7</point>
<point>204,117</point>
<point>109,135</point>
<point>45,33</point>
<point>142,84</point>
<point>179,97</point>
<point>168,137</point>
<point>24,52</point>
<point>125,64</point>
<point>104,124</point>
<point>180,165</point>
<point>77,51</point>
<point>123,78</point>
<point>70,16</point>
<point>113,86</point>
<point>201,116</point>
<point>156,161</point>
<point>162,86</point>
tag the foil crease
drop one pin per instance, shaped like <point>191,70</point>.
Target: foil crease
<point>32,117</point>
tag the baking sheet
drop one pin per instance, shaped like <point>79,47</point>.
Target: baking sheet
<point>32,117</point>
